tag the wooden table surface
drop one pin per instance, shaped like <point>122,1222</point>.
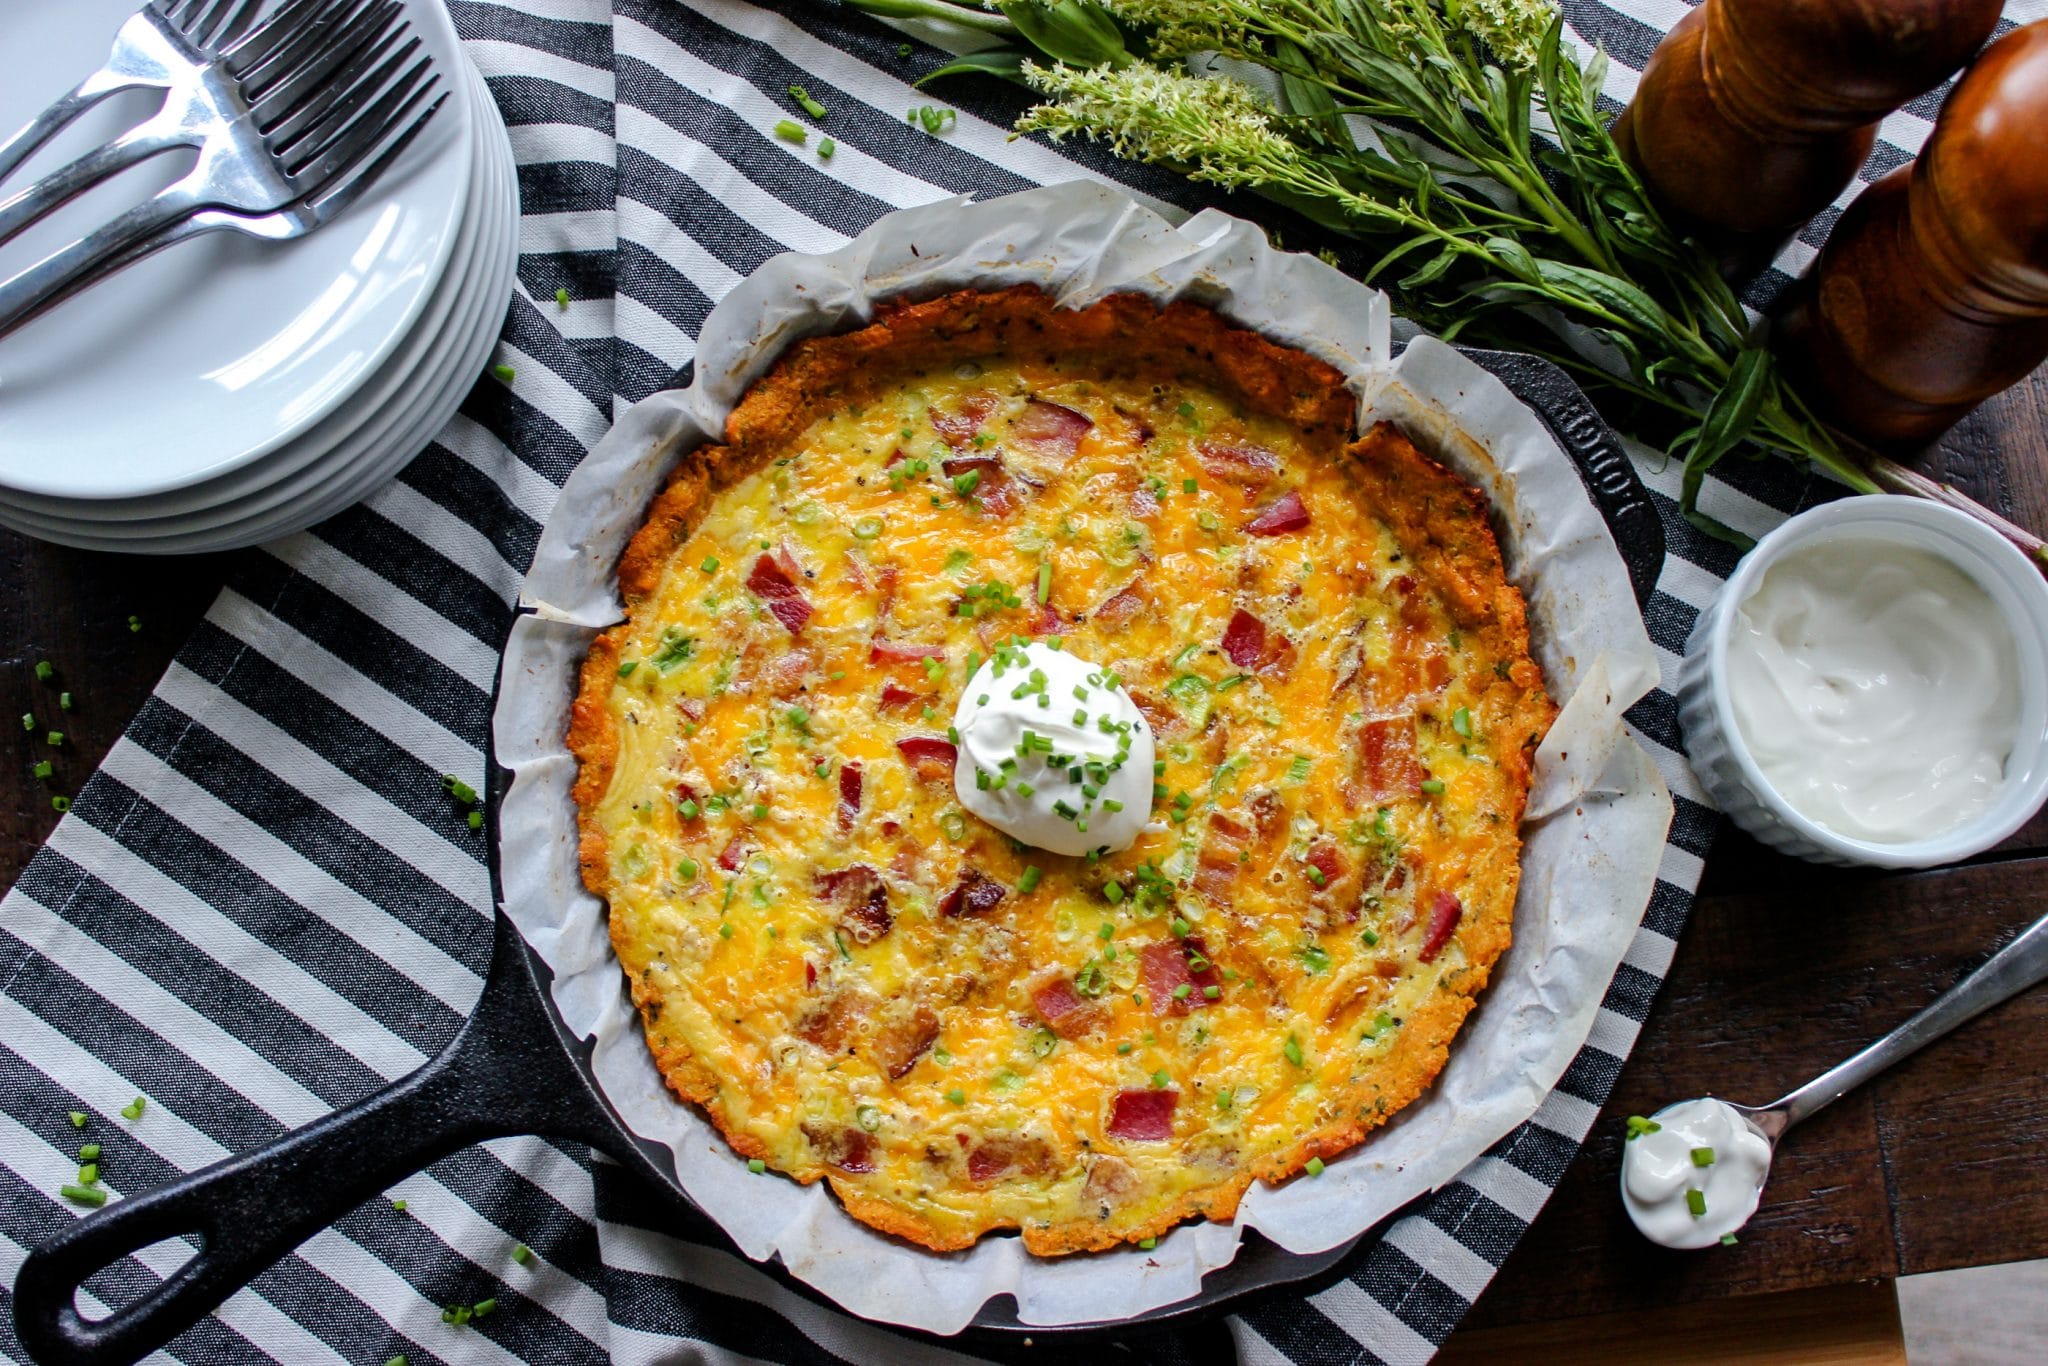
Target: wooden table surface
<point>1784,969</point>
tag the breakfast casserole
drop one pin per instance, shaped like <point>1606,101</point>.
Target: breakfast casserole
<point>1296,653</point>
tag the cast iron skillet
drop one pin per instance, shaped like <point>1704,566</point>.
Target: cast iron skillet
<point>513,1068</point>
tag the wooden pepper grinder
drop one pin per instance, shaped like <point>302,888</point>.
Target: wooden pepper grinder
<point>1753,115</point>
<point>1931,294</point>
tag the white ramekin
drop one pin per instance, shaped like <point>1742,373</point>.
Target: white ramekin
<point>1721,757</point>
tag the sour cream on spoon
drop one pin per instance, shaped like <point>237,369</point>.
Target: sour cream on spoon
<point>1692,1174</point>
<point>1053,752</point>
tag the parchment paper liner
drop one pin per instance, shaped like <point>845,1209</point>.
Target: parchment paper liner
<point>1597,816</point>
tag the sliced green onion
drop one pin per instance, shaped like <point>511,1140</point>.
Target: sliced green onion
<point>28,720</point>
<point>626,667</point>
<point>867,528</point>
<point>1703,1157</point>
<point>60,804</point>
<point>1147,1244</point>
<point>44,670</point>
<point>83,1195</point>
<point>483,1307</point>
<point>135,623</point>
<point>1727,1240</point>
<point>1183,991</point>
<point>957,1096</point>
<point>89,1153</point>
<point>43,768</point>
<point>826,147</point>
<point>710,565</point>
<point>809,105</point>
<point>1314,1166</point>
<point>1212,991</point>
<point>756,1165</point>
<point>88,1173</point>
<point>1696,1201</point>
<point>1029,882</point>
<point>1160,1080</point>
<point>398,1205</point>
<point>1638,1126</point>
<point>78,1118</point>
<point>476,820</point>
<point>1461,721</point>
<point>562,298</point>
<point>686,870</point>
<point>64,700</point>
<point>1433,786</point>
<point>1044,586</point>
<point>521,1253</point>
<point>1292,1051</point>
<point>504,372</point>
<point>134,1108</point>
<point>789,130</point>
<point>55,737</point>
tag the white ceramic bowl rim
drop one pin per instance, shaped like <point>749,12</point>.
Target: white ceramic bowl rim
<point>1996,565</point>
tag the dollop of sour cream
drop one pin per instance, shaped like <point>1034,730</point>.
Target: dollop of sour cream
<point>1876,685</point>
<point>1053,752</point>
<point>1693,1173</point>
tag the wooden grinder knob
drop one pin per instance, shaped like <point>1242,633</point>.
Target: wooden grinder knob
<point>1752,115</point>
<point>1932,293</point>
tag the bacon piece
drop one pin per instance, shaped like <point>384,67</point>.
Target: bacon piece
<point>1144,502</point>
<point>894,696</point>
<point>1165,966</point>
<point>1119,607</point>
<point>1050,429</point>
<point>690,709</point>
<point>1444,912</point>
<point>785,675</point>
<point>1006,1153</point>
<point>773,582</point>
<point>882,651</point>
<point>996,491</point>
<point>1240,462</point>
<point>1110,1180</point>
<point>1221,856</point>
<point>1062,1008</point>
<point>850,1150</point>
<point>899,1043</point>
<point>1283,514</point>
<point>1244,639</point>
<point>862,899</point>
<point>1387,767</point>
<point>1047,622</point>
<point>1143,1116</point>
<point>1163,719</point>
<point>930,757</point>
<point>959,429</point>
<point>810,974</point>
<point>849,794</point>
<point>973,894</point>
<point>833,1023</point>
<point>1324,858</point>
<point>734,855</point>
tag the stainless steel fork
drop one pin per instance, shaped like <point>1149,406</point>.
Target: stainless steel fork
<point>326,128</point>
<point>161,46</point>
<point>293,49</point>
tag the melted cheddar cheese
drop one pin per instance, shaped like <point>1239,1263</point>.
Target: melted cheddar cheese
<point>858,980</point>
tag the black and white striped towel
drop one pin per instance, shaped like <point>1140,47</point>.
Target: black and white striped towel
<point>263,906</point>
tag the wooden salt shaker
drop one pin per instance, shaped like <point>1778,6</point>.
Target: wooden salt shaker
<point>1931,295</point>
<point>1753,115</point>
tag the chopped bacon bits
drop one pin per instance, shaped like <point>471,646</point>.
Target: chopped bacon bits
<point>1240,462</point>
<point>973,894</point>
<point>1143,1116</point>
<point>850,1150</point>
<point>734,855</point>
<point>897,1045</point>
<point>1119,607</point>
<point>994,489</point>
<point>959,429</point>
<point>1051,429</point>
<point>772,582</point>
<point>862,898</point>
<point>1444,912</point>
<point>1007,1153</point>
<point>1283,514</point>
<point>1165,967</point>
<point>1047,622</point>
<point>930,757</point>
<point>1062,1008</point>
<point>882,651</point>
<point>894,695</point>
<point>1387,766</point>
<point>1244,639</point>
<point>785,675</point>
<point>849,794</point>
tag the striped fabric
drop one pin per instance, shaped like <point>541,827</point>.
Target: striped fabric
<point>264,906</point>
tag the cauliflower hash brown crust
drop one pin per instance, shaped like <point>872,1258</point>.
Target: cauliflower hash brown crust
<point>857,980</point>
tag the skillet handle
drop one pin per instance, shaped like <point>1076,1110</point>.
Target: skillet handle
<point>508,1071</point>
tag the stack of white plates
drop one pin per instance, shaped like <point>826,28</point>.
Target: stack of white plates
<point>229,391</point>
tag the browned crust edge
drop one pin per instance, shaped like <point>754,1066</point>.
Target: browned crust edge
<point>1442,520</point>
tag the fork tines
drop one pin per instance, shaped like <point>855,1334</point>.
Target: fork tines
<point>209,25</point>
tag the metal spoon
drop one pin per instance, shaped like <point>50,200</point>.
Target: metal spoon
<point>2011,970</point>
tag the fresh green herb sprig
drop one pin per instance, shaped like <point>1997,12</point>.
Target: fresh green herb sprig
<point>1487,177</point>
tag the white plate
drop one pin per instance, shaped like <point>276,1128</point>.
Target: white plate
<point>222,350</point>
<point>287,474</point>
<point>387,441</point>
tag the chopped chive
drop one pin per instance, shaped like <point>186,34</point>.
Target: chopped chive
<point>1188,486</point>
<point>1292,1051</point>
<point>135,623</point>
<point>1696,1201</point>
<point>1160,1080</point>
<point>504,372</point>
<point>1638,1126</point>
<point>1029,882</point>
<point>1114,891</point>
<point>1461,721</point>
<point>957,1096</point>
<point>1183,991</point>
<point>1432,785</point>
<point>710,565</point>
<point>725,930</point>
<point>809,105</point>
<point>134,1108</point>
<point>43,768</point>
<point>55,737</point>
<point>1212,991</point>
<point>88,1173</point>
<point>1044,588</point>
<point>44,670</point>
<point>1314,1166</point>
<point>28,720</point>
<point>83,1195</point>
<point>791,131</point>
<point>756,1165</point>
<point>78,1118</point>
<point>826,147</point>
<point>521,1253</point>
<point>686,870</point>
<point>60,804</point>
<point>90,1152</point>
<point>903,49</point>
<point>1727,1240</point>
<point>1181,928</point>
<point>626,667</point>
<point>1703,1157</point>
<point>1124,1048</point>
<point>64,700</point>
<point>476,820</point>
<point>398,1205</point>
<point>1147,1244</point>
<point>562,298</point>
<point>1371,937</point>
